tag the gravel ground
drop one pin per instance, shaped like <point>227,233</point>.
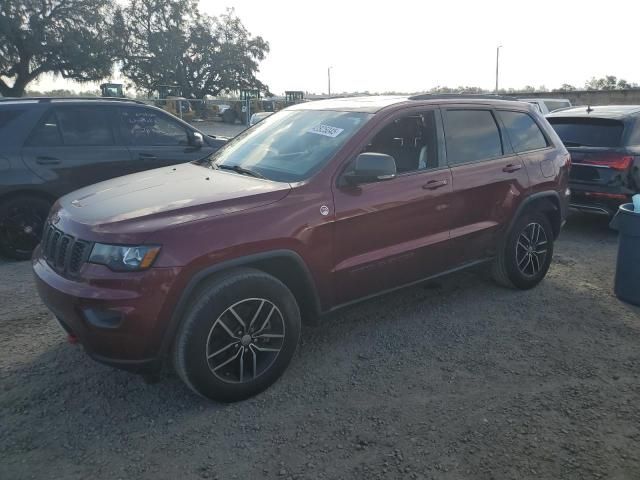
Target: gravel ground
<point>458,379</point>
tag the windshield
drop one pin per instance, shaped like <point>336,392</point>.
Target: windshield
<point>588,132</point>
<point>289,146</point>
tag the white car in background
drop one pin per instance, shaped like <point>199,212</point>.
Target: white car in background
<point>548,105</point>
<point>258,117</point>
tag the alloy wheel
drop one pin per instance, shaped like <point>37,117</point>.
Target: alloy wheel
<point>22,228</point>
<point>245,340</point>
<point>531,249</point>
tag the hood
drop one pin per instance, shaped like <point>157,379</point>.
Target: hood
<point>153,199</point>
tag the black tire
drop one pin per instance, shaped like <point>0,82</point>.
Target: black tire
<point>21,223</point>
<point>218,376</point>
<point>518,264</point>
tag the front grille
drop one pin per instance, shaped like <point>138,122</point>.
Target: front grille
<point>64,253</point>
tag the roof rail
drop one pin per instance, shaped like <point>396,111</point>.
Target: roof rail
<point>49,99</point>
<point>479,96</point>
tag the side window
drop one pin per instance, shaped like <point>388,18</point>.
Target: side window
<point>411,140</point>
<point>145,127</point>
<point>523,132</point>
<point>46,133</point>
<point>471,135</point>
<point>84,126</point>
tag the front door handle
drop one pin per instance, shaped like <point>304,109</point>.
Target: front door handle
<point>512,167</point>
<point>433,184</point>
<point>47,160</point>
<point>146,156</point>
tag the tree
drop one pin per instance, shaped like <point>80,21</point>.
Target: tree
<point>169,42</point>
<point>608,82</point>
<point>65,37</point>
<point>565,87</point>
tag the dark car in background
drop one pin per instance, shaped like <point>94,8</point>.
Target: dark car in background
<point>604,143</point>
<point>52,146</point>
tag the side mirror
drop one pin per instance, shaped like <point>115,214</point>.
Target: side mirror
<point>197,140</point>
<point>371,167</point>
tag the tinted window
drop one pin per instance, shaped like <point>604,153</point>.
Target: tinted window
<point>588,132</point>
<point>84,126</point>
<point>523,132</point>
<point>555,104</point>
<point>471,135</point>
<point>145,127</point>
<point>9,115</point>
<point>411,140</point>
<point>47,133</point>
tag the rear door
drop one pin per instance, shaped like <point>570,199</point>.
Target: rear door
<point>155,139</point>
<point>73,146</point>
<point>488,180</point>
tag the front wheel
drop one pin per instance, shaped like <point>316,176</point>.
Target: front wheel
<point>526,255</point>
<point>238,337</point>
<point>21,223</point>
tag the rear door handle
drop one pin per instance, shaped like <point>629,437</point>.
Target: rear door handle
<point>146,156</point>
<point>433,184</point>
<point>512,167</point>
<point>47,160</point>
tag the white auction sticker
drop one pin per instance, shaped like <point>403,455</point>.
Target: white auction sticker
<point>326,130</point>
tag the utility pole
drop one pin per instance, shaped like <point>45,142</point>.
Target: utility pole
<point>329,79</point>
<point>497,65</point>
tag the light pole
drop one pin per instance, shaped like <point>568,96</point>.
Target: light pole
<point>329,79</point>
<point>497,64</point>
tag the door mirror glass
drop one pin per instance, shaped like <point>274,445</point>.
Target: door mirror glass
<point>371,167</point>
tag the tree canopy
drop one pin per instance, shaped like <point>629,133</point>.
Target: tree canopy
<point>71,38</point>
<point>170,42</point>
<point>608,82</point>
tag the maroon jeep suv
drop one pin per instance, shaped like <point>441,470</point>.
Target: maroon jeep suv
<point>212,266</point>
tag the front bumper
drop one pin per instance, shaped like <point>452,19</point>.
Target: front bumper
<point>119,318</point>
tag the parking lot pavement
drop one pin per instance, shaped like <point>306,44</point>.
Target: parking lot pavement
<point>453,379</point>
<point>219,128</point>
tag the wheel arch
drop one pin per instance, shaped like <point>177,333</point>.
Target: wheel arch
<point>27,193</point>
<point>547,202</point>
<point>285,265</point>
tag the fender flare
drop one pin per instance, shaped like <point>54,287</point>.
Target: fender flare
<point>547,194</point>
<point>244,261</point>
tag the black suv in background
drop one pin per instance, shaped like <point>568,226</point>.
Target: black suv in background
<point>52,146</point>
<point>604,143</point>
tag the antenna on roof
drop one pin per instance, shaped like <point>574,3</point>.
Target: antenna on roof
<point>589,109</point>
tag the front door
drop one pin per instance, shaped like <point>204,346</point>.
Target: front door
<point>156,140</point>
<point>393,232</point>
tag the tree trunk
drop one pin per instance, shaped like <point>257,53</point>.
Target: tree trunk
<point>16,91</point>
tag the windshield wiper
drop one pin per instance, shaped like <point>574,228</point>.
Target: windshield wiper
<point>239,169</point>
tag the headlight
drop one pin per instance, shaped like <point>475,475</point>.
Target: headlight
<point>124,258</point>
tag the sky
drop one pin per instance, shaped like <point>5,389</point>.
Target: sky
<point>410,46</point>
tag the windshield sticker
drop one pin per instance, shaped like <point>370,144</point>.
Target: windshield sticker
<point>326,130</point>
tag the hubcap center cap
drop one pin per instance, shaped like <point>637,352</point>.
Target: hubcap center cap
<point>28,229</point>
<point>245,340</point>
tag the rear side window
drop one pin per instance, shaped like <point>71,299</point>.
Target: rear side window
<point>556,104</point>
<point>47,133</point>
<point>8,115</point>
<point>471,135</point>
<point>85,126</point>
<point>588,132</point>
<point>523,132</point>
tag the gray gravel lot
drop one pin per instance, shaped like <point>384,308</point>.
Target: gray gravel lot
<point>456,379</point>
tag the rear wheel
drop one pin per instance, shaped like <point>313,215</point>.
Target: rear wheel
<point>527,252</point>
<point>21,223</point>
<point>238,337</point>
